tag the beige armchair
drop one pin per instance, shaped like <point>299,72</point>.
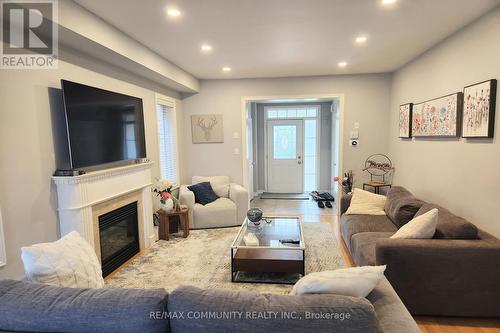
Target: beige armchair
<point>229,210</point>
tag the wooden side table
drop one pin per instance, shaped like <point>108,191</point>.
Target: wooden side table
<point>165,222</point>
<point>376,186</point>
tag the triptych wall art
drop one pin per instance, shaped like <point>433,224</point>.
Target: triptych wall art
<point>443,116</point>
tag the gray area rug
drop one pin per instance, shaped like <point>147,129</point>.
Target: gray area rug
<point>203,260</point>
<point>285,196</point>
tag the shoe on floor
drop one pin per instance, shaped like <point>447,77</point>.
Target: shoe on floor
<point>328,204</point>
<point>321,204</point>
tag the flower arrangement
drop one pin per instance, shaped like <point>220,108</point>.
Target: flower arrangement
<point>163,190</point>
<point>346,183</point>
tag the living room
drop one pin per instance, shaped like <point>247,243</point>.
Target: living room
<point>192,72</point>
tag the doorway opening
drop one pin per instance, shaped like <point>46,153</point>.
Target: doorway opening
<point>292,146</point>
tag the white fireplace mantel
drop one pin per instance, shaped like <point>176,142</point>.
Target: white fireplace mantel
<point>78,195</point>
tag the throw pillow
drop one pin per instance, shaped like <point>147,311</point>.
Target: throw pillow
<point>366,203</point>
<point>421,227</point>
<point>355,281</point>
<point>67,262</point>
<point>203,193</point>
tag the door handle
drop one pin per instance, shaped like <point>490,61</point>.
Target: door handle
<point>299,162</point>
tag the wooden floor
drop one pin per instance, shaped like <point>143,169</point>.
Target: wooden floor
<point>311,213</point>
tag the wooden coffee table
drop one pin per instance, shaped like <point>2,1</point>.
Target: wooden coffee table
<point>271,255</point>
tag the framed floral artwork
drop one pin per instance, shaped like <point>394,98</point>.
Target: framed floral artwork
<point>478,120</point>
<point>405,113</point>
<point>438,117</point>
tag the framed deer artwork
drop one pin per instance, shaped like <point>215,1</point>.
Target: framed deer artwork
<point>207,128</point>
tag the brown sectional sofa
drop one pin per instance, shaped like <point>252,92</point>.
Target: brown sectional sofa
<point>457,273</point>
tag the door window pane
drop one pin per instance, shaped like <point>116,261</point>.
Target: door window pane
<point>285,142</point>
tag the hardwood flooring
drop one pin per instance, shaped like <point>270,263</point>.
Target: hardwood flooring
<point>311,213</point>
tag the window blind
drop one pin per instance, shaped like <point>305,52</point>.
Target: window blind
<point>167,135</point>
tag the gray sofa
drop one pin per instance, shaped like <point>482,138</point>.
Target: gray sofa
<point>454,274</point>
<point>29,307</point>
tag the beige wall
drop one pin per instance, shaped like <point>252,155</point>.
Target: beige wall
<point>462,175</point>
<point>366,101</point>
<point>27,195</point>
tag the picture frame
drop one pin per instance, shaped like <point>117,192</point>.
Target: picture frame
<point>405,124</point>
<point>479,102</point>
<point>438,117</point>
<point>207,128</point>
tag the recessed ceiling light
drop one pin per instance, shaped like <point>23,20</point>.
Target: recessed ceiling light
<point>206,48</point>
<point>173,12</point>
<point>388,2</point>
<point>361,39</point>
<point>342,64</point>
<point>226,69</point>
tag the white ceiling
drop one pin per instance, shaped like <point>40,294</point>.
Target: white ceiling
<point>278,38</point>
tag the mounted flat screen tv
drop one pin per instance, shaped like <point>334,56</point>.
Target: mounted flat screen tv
<point>103,127</point>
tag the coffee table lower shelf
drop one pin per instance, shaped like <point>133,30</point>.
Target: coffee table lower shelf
<point>270,260</point>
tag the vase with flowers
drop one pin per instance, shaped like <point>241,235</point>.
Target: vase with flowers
<point>346,182</point>
<point>163,190</point>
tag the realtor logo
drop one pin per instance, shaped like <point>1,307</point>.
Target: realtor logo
<point>29,34</point>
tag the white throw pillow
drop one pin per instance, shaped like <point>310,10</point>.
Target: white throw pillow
<point>67,262</point>
<point>421,227</point>
<point>366,203</point>
<point>355,281</point>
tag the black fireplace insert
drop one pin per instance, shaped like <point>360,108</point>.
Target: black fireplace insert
<point>119,237</point>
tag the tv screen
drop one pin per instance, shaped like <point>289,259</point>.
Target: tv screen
<point>103,126</point>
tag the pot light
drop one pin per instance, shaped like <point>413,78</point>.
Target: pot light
<point>388,2</point>
<point>361,39</point>
<point>342,64</point>
<point>206,48</point>
<point>226,69</point>
<point>173,12</point>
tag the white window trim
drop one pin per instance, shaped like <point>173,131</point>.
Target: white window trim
<point>3,254</point>
<point>168,102</point>
<point>318,135</point>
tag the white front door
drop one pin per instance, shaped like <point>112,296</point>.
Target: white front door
<point>285,142</point>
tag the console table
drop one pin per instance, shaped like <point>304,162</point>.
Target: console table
<point>376,186</point>
<point>164,231</point>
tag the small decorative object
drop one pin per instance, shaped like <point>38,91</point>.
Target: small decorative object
<point>378,166</point>
<point>439,117</point>
<point>207,128</point>
<point>345,183</point>
<point>163,190</point>
<point>479,110</point>
<point>405,120</point>
<point>254,215</point>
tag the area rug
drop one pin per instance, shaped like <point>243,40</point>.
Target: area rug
<point>285,196</point>
<point>203,260</point>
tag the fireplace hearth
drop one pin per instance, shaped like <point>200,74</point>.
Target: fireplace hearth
<point>118,236</point>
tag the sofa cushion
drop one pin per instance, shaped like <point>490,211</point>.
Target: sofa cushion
<point>32,307</point>
<point>353,224</point>
<point>421,227</point>
<point>363,247</point>
<point>68,262</point>
<point>220,184</point>
<point>351,281</point>
<point>366,203</point>
<point>203,193</point>
<point>220,213</point>
<point>449,225</point>
<point>401,206</point>
<point>392,315</point>
<point>247,309</point>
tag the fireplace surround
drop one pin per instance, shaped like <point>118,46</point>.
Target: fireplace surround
<point>83,199</point>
